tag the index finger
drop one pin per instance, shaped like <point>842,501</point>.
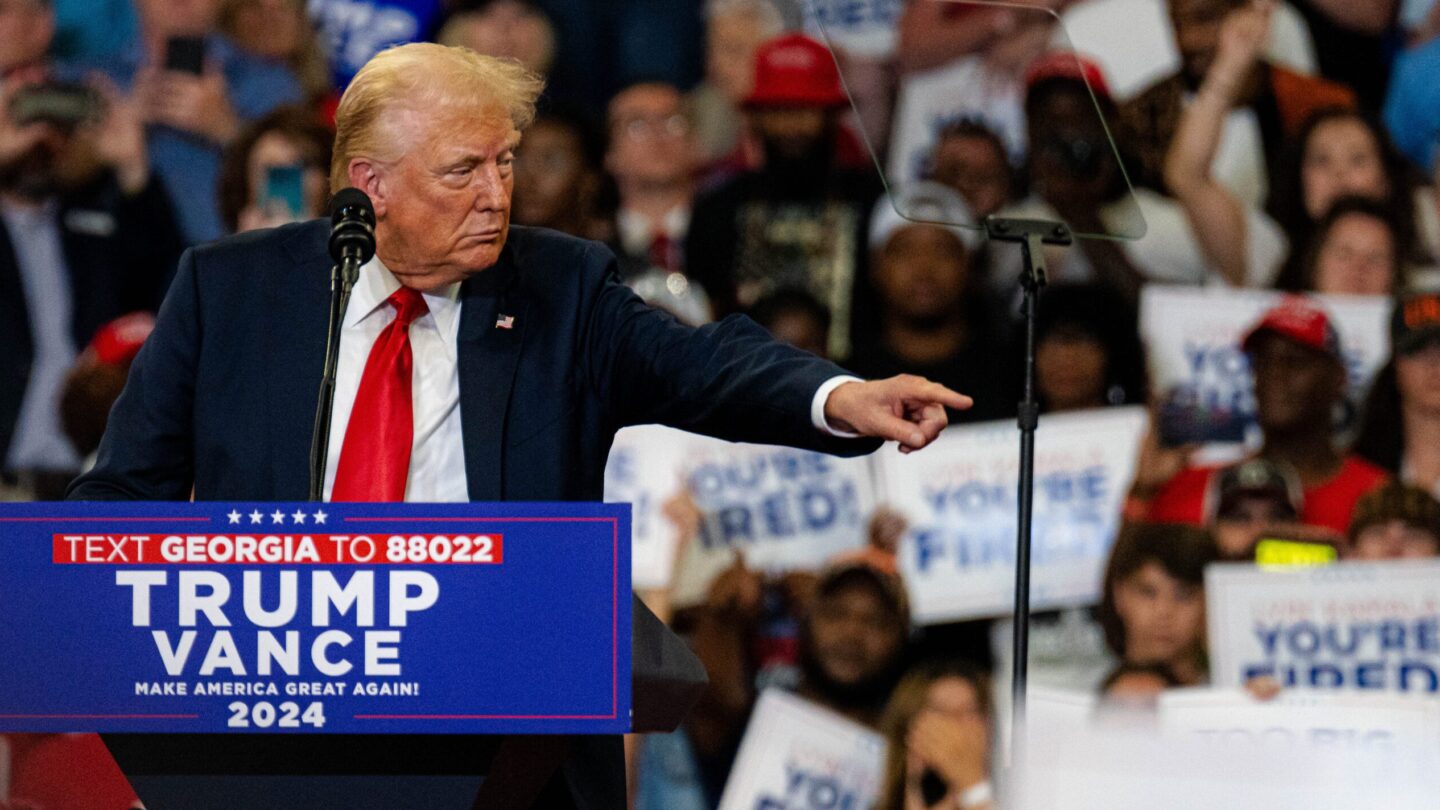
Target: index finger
<point>930,391</point>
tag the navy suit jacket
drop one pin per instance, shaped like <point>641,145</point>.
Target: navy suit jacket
<point>222,398</point>
<point>223,395</point>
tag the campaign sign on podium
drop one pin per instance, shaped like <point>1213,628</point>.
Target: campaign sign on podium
<point>315,618</point>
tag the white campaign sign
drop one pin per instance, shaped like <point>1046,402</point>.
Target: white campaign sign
<point>959,497</point>
<point>646,469</point>
<point>799,756</point>
<point>1192,337</point>
<point>1370,626</point>
<point>1304,720</point>
<point>785,509</point>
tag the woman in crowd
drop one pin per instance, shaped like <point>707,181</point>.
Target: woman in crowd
<point>557,176</point>
<point>1087,351</point>
<point>1400,430</point>
<point>1355,251</point>
<point>1153,606</point>
<point>938,726</point>
<point>276,171</point>
<point>1396,522</point>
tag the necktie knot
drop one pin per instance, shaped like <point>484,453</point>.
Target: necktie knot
<point>409,305</point>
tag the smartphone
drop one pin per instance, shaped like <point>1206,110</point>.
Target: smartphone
<point>185,55</point>
<point>285,187</point>
<point>66,105</point>
<point>1276,553</point>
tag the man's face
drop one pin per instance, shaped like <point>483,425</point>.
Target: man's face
<point>1357,258</point>
<point>1418,376</point>
<point>178,17</point>
<point>26,29</point>
<point>548,176</point>
<point>443,209</point>
<point>921,273</point>
<point>1070,155</point>
<point>855,635</point>
<point>1197,34</point>
<point>650,137</point>
<point>973,166</point>
<point>1295,385</point>
<point>789,133</point>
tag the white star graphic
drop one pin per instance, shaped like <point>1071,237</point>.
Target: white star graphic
<point>256,517</point>
<point>320,516</point>
<point>277,516</point>
<point>234,517</point>
<point>298,517</point>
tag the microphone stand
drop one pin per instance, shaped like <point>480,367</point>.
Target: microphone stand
<point>1032,236</point>
<point>342,281</point>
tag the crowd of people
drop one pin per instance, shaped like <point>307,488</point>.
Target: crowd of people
<point>715,148</point>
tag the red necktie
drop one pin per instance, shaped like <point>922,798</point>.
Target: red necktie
<point>375,458</point>
<point>661,253</point>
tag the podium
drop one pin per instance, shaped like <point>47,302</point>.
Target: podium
<point>338,655</point>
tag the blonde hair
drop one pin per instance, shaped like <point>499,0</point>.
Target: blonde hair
<point>423,76</point>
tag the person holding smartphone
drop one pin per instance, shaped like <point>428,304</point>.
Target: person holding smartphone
<point>195,90</point>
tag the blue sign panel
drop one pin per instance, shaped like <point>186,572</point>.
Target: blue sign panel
<point>315,618</point>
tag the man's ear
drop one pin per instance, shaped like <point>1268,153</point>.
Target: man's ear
<point>369,176</point>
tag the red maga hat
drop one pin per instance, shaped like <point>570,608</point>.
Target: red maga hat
<point>795,71</point>
<point>1301,320</point>
<point>119,341</point>
<point>1067,65</point>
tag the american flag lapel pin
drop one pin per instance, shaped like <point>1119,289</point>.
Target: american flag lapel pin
<point>505,322</point>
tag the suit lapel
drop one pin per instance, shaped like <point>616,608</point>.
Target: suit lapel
<point>294,361</point>
<point>488,356</point>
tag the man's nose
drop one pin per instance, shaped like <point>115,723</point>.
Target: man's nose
<point>491,193</point>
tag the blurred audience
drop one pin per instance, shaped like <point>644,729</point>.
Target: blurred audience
<point>1355,251</point>
<point>1352,41</point>
<point>195,90</point>
<point>936,318</point>
<point>1087,350</point>
<point>798,220</point>
<point>276,171</point>
<point>852,650</point>
<point>557,176</point>
<point>1400,427</point>
<point>86,234</point>
<point>1152,605</point>
<point>652,159</point>
<point>97,378</point>
<point>1248,499</point>
<point>970,158</point>
<point>734,30</point>
<point>938,729</point>
<point>279,31</point>
<point>514,29</point>
<point>1299,375</point>
<point>352,31</point>
<point>795,317</point>
<point>1396,522</point>
<point>1255,106</point>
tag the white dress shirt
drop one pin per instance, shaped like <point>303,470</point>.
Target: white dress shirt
<point>437,458</point>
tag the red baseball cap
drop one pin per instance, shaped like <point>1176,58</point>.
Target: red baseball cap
<point>1067,65</point>
<point>795,71</point>
<point>119,341</point>
<point>1301,320</point>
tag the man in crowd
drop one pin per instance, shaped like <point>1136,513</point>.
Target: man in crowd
<point>652,158</point>
<point>1299,373</point>
<point>936,318</point>
<point>852,650</point>
<point>798,220</point>
<point>1274,104</point>
<point>86,235</point>
<point>195,90</point>
<point>529,352</point>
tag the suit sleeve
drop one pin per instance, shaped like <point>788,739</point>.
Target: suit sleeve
<point>729,379</point>
<point>147,452</point>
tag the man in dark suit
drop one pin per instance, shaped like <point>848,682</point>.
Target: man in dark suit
<point>477,361</point>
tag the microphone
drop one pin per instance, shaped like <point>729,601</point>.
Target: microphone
<point>352,228</point>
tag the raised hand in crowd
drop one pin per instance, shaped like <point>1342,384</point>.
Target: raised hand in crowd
<point>117,139</point>
<point>1217,217</point>
<point>950,747</point>
<point>737,594</point>
<point>199,104</point>
<point>17,140</point>
<point>1158,464</point>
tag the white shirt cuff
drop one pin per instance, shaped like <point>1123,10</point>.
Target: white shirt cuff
<point>817,406</point>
